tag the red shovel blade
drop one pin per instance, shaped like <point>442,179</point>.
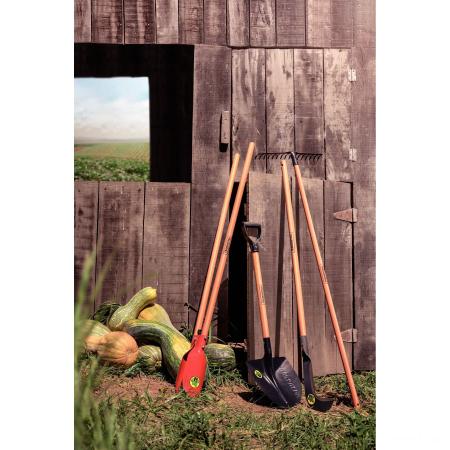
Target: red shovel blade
<point>191,374</point>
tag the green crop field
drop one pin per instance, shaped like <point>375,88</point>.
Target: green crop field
<point>112,161</point>
<point>138,151</point>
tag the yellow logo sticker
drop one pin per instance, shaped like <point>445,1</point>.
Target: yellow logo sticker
<point>311,399</point>
<point>258,374</point>
<point>194,382</point>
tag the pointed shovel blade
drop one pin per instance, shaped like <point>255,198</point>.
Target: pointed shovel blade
<point>277,380</point>
<point>322,404</point>
<point>192,370</point>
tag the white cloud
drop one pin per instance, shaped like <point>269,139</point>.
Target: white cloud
<point>117,113</point>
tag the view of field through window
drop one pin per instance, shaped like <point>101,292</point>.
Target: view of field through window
<point>112,129</point>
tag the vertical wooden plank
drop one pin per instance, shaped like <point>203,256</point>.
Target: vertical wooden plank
<point>279,103</point>
<point>191,21</point>
<point>216,22</point>
<point>363,137</point>
<point>318,23</point>
<point>329,23</point>
<point>308,95</point>
<point>120,231</point>
<point>210,162</point>
<point>238,29</point>
<point>338,266</point>
<point>337,110</point>
<point>313,296</point>
<point>167,21</point>
<point>249,118</point>
<point>290,23</point>
<point>267,207</point>
<point>107,21</point>
<point>82,20</point>
<point>341,23</point>
<point>166,246</point>
<point>364,23</point>
<point>140,23</point>
<point>262,23</point>
<point>85,235</point>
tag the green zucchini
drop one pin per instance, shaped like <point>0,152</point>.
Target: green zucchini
<point>132,309</point>
<point>173,344</point>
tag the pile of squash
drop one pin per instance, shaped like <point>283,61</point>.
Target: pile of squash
<point>142,329</point>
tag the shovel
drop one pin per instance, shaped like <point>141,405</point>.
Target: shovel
<point>274,375</point>
<point>313,400</point>
<point>192,370</point>
<point>195,354</point>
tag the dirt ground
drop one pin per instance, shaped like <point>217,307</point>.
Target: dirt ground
<point>235,396</point>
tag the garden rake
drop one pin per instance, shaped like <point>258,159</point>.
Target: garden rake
<point>313,400</point>
<point>192,370</point>
<point>295,157</point>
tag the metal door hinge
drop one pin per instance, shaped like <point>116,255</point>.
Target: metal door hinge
<point>225,128</point>
<point>352,154</point>
<point>347,215</point>
<point>350,335</point>
<point>351,74</point>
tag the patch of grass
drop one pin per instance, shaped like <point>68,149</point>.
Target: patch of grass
<point>110,169</point>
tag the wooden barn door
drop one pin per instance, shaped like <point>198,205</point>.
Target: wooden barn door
<point>327,200</point>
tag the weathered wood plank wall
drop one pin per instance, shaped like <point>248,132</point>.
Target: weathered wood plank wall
<point>363,138</point>
<point>131,226</point>
<point>85,236</point>
<point>210,162</point>
<point>236,23</point>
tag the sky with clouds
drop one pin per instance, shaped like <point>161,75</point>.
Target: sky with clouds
<point>111,108</point>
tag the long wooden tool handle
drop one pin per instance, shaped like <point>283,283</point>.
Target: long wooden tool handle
<point>216,245</point>
<point>294,252</point>
<point>260,293</point>
<point>227,241</point>
<point>326,288</point>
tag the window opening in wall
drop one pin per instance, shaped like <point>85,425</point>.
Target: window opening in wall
<point>112,129</point>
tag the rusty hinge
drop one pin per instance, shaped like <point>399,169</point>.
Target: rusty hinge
<point>347,215</point>
<point>351,74</point>
<point>352,154</point>
<point>225,128</point>
<point>350,335</point>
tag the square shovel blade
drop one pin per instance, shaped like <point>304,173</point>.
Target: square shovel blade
<point>277,380</point>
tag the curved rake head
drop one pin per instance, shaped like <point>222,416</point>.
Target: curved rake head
<point>192,371</point>
<point>308,157</point>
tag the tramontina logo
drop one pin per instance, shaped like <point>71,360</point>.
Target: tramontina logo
<point>311,399</point>
<point>258,374</point>
<point>194,382</point>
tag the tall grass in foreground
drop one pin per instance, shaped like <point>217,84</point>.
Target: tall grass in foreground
<point>96,423</point>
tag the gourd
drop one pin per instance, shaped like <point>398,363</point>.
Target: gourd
<point>173,344</point>
<point>93,331</point>
<point>117,348</point>
<point>220,356</point>
<point>95,328</point>
<point>156,313</point>
<point>105,312</point>
<point>151,356</point>
<point>132,309</point>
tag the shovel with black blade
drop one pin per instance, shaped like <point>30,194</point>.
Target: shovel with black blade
<point>313,400</point>
<point>274,375</point>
